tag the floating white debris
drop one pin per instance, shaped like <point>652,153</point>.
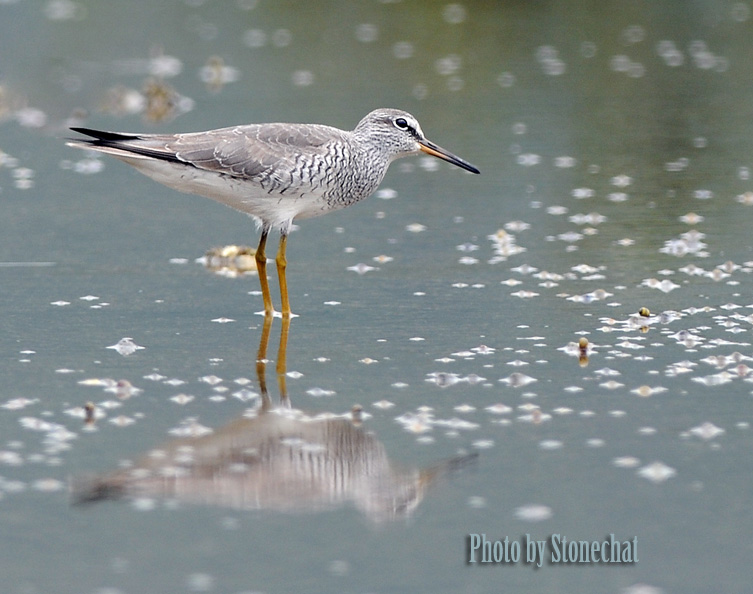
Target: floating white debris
<point>18,403</point>
<point>706,431</point>
<point>361,268</point>
<point>585,269</point>
<point>518,380</point>
<point>657,472</point>
<point>535,417</point>
<point>646,391</point>
<point>499,409</point>
<point>36,424</point>
<point>10,458</point>
<point>154,377</point>
<point>455,423</point>
<point>525,294</point>
<point>110,404</point>
<point>88,412</point>
<point>563,410</point>
<point>644,588</point>
<point>190,428</point>
<point>48,485</point>
<point>10,486</point>
<point>529,406</point>
<point>443,379</point>
<point>212,380</point>
<point>175,382</point>
<point>693,270</point>
<point>524,269</point>
<point>216,74</point>
<point>687,339</point>
<point>528,159</point>
<point>746,198</point>
<point>626,462</point>
<point>125,346</point>
<point>245,395</point>
<point>718,379</point>
<point>581,193</point>
<point>122,421</point>
<point>565,162</point>
<point>691,218</point>
<point>621,181</point>
<point>570,236</point>
<point>597,295</point>
<point>664,286</point>
<point>320,392</point>
<point>415,423</point>
<point>98,382</point>
<point>123,389</point>
<point>476,502</point>
<point>465,408</point>
<point>517,226</point>
<point>200,582</point>
<point>144,504</point>
<point>386,193</point>
<point>618,196</point>
<point>688,243</point>
<point>533,513</point>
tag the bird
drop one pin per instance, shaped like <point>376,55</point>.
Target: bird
<point>275,172</point>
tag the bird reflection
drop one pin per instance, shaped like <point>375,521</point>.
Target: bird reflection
<point>277,458</point>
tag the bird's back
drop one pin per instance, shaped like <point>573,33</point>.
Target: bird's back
<point>275,172</point>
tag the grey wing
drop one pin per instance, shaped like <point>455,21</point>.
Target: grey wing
<point>255,152</point>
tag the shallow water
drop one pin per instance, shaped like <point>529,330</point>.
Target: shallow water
<point>614,147</point>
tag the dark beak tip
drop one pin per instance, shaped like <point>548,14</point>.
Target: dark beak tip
<point>436,151</point>
<point>467,166</point>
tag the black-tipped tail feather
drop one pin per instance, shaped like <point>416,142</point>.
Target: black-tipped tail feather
<point>102,135</point>
<point>121,145</point>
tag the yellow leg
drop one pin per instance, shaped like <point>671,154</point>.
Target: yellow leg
<point>282,355</point>
<point>282,264</point>
<point>261,363</point>
<point>261,267</point>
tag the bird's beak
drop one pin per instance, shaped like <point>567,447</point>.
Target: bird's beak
<point>437,151</point>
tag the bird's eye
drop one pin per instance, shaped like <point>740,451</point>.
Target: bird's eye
<point>402,124</point>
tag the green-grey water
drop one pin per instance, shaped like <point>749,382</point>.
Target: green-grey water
<point>614,142</point>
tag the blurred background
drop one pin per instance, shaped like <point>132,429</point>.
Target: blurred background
<point>495,315</point>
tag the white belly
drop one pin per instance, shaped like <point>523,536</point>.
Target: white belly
<point>274,209</point>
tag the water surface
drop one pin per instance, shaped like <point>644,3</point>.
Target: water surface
<point>614,146</point>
